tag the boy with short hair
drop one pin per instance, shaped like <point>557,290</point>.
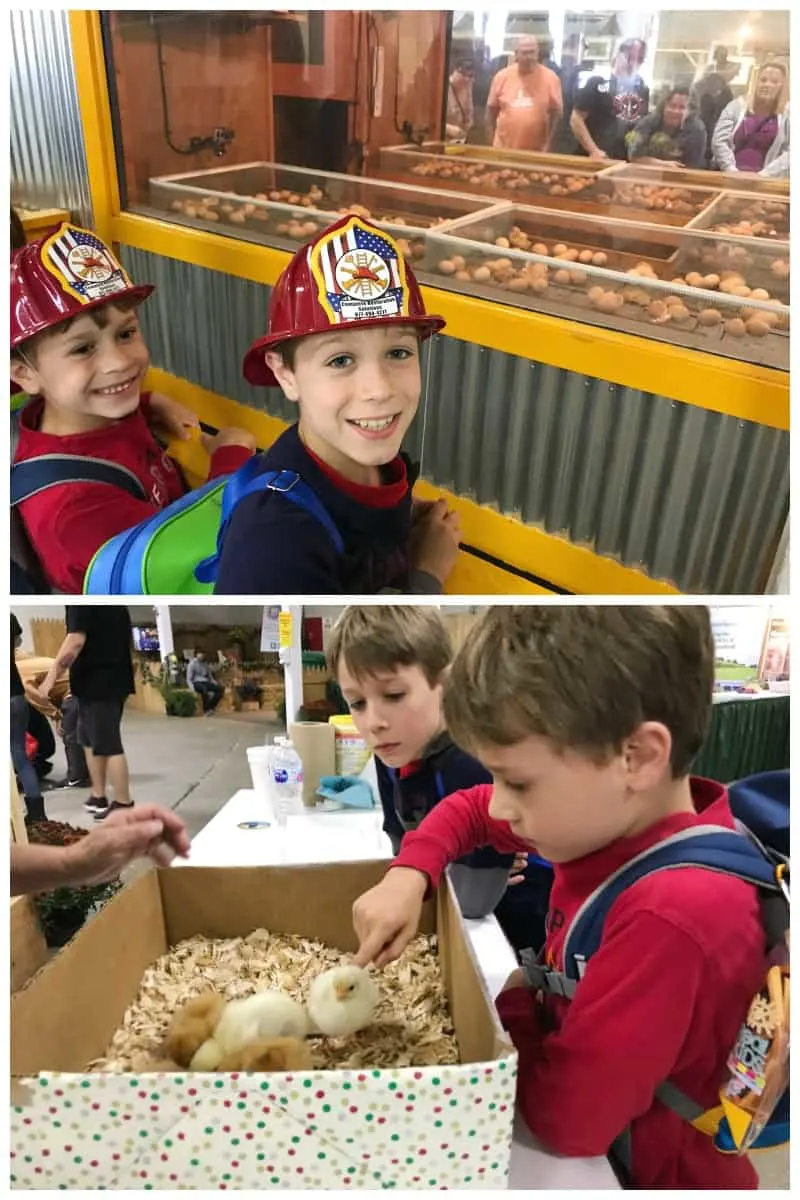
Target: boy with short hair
<point>391,663</point>
<point>77,348</point>
<point>346,322</point>
<point>589,719</point>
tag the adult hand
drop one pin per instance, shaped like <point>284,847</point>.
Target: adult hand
<point>435,539</point>
<point>387,916</point>
<point>171,418</point>
<point>141,831</point>
<point>597,153</point>
<point>229,436</point>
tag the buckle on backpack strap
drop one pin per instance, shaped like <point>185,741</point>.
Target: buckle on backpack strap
<point>284,481</point>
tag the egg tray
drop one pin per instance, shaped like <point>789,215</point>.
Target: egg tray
<point>751,217</point>
<point>411,1026</point>
<point>572,301</point>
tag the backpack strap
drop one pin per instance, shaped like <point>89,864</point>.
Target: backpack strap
<point>36,475</point>
<point>251,479</point>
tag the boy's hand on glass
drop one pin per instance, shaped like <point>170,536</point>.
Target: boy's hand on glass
<point>435,539</point>
<point>170,418</point>
<point>230,436</point>
<point>387,916</point>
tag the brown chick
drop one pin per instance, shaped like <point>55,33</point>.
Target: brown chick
<point>191,1026</point>
<point>273,1054</point>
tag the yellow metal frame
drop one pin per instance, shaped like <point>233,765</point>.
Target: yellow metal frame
<point>735,389</point>
<point>566,565</point>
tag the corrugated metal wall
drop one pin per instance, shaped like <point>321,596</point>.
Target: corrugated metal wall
<point>688,495</point>
<point>48,161</point>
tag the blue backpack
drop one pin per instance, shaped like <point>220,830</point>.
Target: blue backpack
<point>176,551</point>
<point>757,852</point>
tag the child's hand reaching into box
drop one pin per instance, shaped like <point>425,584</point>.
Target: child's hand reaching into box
<point>387,916</point>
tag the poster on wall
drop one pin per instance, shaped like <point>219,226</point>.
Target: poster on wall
<point>774,663</point>
<point>738,644</point>
<point>270,637</point>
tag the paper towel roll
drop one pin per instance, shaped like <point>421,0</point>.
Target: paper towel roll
<point>315,742</point>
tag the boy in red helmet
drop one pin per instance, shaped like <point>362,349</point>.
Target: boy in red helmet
<point>346,320</point>
<point>77,348</point>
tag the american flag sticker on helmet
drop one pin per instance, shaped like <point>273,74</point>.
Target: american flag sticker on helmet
<point>83,265</point>
<point>360,274</point>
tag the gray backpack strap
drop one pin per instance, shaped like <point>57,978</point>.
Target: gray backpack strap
<point>541,978</point>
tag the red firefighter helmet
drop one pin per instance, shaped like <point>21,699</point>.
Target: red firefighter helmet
<point>67,272</point>
<point>352,275</point>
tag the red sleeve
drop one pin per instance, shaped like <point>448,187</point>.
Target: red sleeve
<point>144,405</point>
<point>458,824</point>
<point>82,526</point>
<point>228,459</point>
<point>580,1087</point>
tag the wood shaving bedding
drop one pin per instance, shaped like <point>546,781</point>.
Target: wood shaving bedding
<point>411,1026</point>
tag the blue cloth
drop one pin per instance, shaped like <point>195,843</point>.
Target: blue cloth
<point>347,790</point>
<point>273,546</point>
<point>28,779</point>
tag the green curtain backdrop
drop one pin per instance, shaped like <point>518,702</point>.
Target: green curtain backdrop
<point>746,736</point>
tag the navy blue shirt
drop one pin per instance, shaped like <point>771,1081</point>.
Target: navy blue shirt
<point>274,546</point>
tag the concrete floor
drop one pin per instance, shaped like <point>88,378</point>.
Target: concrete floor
<point>194,765</point>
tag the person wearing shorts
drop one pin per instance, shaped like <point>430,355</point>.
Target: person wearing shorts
<point>97,650</point>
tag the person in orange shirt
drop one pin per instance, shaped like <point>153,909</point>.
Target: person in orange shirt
<point>525,104</point>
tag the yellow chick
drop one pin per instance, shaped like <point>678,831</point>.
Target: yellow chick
<point>253,1019</point>
<point>342,1001</point>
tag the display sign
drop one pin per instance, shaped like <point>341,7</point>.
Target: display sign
<point>270,642</point>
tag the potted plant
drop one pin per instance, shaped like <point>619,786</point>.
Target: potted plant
<point>248,694</point>
<point>180,702</point>
<point>63,910</point>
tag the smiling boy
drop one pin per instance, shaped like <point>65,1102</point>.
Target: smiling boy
<point>77,349</point>
<point>346,321</point>
<point>588,720</point>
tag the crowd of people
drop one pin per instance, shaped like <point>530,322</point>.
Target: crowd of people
<point>535,104</point>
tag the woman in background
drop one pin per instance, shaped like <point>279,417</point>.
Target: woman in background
<point>752,134</point>
<point>672,134</point>
<point>460,104</point>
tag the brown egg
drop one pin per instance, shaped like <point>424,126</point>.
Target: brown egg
<point>293,198</point>
<point>710,282</point>
<point>538,270</point>
<point>595,293</point>
<point>657,308</point>
<point>211,215</point>
<point>741,290</point>
<point>539,286</point>
<point>585,256</point>
<point>238,217</point>
<point>561,277</point>
<point>679,282</point>
<point>609,302</point>
<point>735,327</point>
<point>446,267</point>
<point>756,327</point>
<point>541,249</point>
<point>577,277</point>
<point>559,249</point>
<point>458,262</point>
<point>679,313</point>
<point>694,279</point>
<point>518,284</point>
<point>481,274</point>
<point>502,242</point>
<point>600,259</point>
<point>571,255</point>
<point>275,195</point>
<point>310,228</point>
<point>282,229</point>
<point>709,316</point>
<point>759,294</point>
<point>463,276</point>
<point>671,301</point>
<point>780,268</point>
<point>503,264</point>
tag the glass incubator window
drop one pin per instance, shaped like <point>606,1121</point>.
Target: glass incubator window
<point>615,168</point>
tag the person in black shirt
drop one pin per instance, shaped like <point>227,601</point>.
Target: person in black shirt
<point>607,109</point>
<point>24,768</point>
<point>97,650</point>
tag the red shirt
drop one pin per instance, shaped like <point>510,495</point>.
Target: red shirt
<point>683,953</point>
<point>68,524</point>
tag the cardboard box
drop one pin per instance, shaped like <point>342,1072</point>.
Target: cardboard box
<point>425,1127</point>
<point>28,946</point>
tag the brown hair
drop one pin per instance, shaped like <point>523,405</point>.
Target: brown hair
<point>584,677</point>
<point>100,317</point>
<point>18,238</point>
<point>384,637</point>
<point>782,98</point>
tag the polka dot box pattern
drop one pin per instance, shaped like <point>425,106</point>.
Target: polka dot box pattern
<point>433,1127</point>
